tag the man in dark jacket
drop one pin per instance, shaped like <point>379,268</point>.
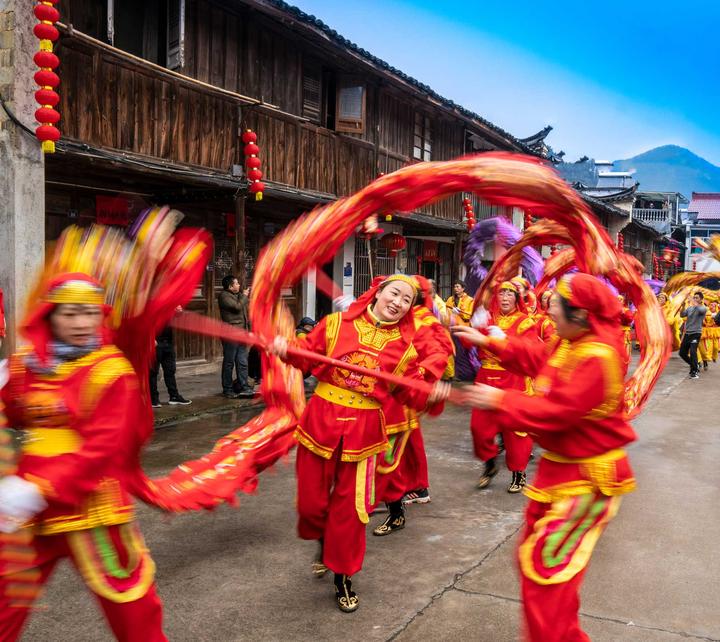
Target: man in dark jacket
<point>165,357</point>
<point>233,306</point>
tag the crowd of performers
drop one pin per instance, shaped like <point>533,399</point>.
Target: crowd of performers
<point>551,372</point>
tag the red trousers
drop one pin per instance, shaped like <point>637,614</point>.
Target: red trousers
<point>411,472</point>
<point>552,569</point>
<point>484,428</point>
<point>327,508</point>
<point>130,621</point>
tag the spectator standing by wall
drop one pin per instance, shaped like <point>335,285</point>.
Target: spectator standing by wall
<point>165,356</point>
<point>233,306</point>
<point>694,316</point>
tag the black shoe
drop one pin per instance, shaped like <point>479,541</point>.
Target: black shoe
<point>156,404</point>
<point>489,472</point>
<point>393,522</point>
<point>694,375</point>
<point>231,395</point>
<point>517,482</point>
<point>347,600</point>
<point>179,401</point>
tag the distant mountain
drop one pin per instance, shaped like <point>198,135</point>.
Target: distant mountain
<point>672,169</point>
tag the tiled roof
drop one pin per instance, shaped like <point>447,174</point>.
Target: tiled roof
<point>317,24</point>
<point>706,204</point>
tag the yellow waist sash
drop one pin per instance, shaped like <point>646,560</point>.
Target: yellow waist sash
<point>611,455</point>
<point>344,397</point>
<point>50,442</point>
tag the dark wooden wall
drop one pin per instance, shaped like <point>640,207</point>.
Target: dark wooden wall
<point>111,101</point>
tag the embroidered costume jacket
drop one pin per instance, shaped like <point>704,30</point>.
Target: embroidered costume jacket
<point>81,437</point>
<point>492,370</point>
<point>464,304</point>
<point>575,413</point>
<point>346,409</point>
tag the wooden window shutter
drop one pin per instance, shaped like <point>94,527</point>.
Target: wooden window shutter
<point>350,106</point>
<point>312,93</point>
<point>175,34</point>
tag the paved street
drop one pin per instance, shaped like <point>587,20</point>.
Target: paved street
<point>242,574</point>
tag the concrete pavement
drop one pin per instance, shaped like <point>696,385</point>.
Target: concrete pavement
<point>242,575</point>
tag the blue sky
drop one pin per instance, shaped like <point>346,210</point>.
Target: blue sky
<point>613,79</point>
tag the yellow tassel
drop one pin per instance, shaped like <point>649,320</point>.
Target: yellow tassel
<point>46,45</point>
<point>48,146</point>
<point>258,196</point>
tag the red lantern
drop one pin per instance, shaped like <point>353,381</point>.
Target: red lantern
<point>46,115</point>
<point>620,242</point>
<point>252,164</point>
<point>46,12</point>
<point>249,137</point>
<point>46,59</point>
<point>251,149</point>
<point>528,220</point>
<point>553,250</point>
<point>47,97</point>
<point>393,242</point>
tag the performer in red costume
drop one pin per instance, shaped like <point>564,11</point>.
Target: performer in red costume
<point>342,429</point>
<point>77,400</point>
<point>577,415</point>
<point>403,468</point>
<point>508,315</point>
<point>544,323</point>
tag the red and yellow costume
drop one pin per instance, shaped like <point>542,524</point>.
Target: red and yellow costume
<point>626,320</point>
<point>83,424</point>
<point>577,415</point>
<point>492,371</point>
<point>544,324</point>
<point>708,347</point>
<point>342,430</point>
<point>672,316</point>
<point>464,303</point>
<point>403,467</point>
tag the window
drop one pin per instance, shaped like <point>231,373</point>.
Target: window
<point>312,92</point>
<point>150,29</point>
<point>422,138</point>
<point>350,106</point>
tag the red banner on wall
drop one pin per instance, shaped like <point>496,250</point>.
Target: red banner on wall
<point>112,210</point>
<point>430,251</point>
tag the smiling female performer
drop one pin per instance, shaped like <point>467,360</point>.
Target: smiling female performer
<point>77,400</point>
<point>577,415</point>
<point>509,315</point>
<point>343,428</point>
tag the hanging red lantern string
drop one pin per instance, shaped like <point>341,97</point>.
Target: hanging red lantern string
<point>528,220</point>
<point>553,250</point>
<point>469,214</point>
<point>621,242</point>
<point>252,164</point>
<point>394,242</point>
<point>47,116</point>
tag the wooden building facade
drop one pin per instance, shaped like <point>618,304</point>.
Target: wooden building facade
<point>156,93</point>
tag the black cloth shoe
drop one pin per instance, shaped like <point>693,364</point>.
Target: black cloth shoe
<point>231,395</point>
<point>489,472</point>
<point>179,401</point>
<point>347,599</point>
<point>156,404</point>
<point>395,521</point>
<point>517,482</point>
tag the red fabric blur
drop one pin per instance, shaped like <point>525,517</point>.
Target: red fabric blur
<point>140,619</point>
<point>327,509</point>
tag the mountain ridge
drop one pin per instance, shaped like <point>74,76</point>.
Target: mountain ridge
<point>671,168</point>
